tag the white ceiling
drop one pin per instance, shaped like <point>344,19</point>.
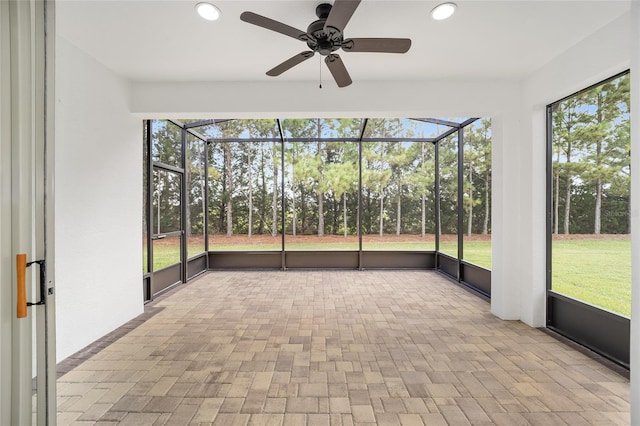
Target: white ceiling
<point>166,41</point>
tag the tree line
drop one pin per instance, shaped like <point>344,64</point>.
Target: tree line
<point>244,179</point>
<point>591,160</point>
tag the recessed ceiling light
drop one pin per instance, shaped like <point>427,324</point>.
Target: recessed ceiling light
<point>443,11</point>
<point>208,11</point>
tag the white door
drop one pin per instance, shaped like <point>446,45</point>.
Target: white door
<point>27,342</point>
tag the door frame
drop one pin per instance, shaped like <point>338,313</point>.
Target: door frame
<point>26,209</point>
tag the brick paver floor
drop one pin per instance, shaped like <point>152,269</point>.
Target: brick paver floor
<point>336,348</point>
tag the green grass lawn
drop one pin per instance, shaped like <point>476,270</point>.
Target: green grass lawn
<point>329,243</point>
<point>168,253</point>
<point>597,272</point>
<point>594,271</point>
<point>332,246</point>
<point>476,252</point>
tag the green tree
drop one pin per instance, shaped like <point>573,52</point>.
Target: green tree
<point>398,159</point>
<point>591,148</point>
<point>320,184</point>
<point>166,148</point>
<point>196,186</point>
<point>598,136</point>
<point>269,161</point>
<point>567,119</point>
<point>477,175</point>
<point>422,179</point>
<point>448,172</point>
<point>342,178</point>
<point>376,175</point>
<point>378,170</point>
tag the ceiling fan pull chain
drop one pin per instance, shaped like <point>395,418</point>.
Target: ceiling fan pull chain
<point>320,62</point>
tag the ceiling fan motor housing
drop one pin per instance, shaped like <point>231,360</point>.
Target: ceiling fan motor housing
<point>322,42</point>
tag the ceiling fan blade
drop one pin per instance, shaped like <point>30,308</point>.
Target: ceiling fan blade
<point>382,45</point>
<point>290,63</point>
<point>270,24</point>
<point>340,15</point>
<point>338,70</point>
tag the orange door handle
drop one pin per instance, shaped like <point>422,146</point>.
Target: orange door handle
<point>21,269</point>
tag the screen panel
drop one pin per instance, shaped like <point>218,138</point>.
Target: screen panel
<point>398,199</point>
<point>448,170</point>
<point>321,190</point>
<point>195,175</point>
<point>590,196</point>
<point>477,194</point>
<point>244,183</point>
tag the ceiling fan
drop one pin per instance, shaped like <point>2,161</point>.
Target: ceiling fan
<point>325,36</point>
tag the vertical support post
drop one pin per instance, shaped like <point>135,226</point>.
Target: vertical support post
<point>206,200</point>
<point>48,151</point>
<point>282,199</point>
<point>635,213</point>
<point>282,204</point>
<point>149,212</point>
<point>184,204</point>
<point>549,206</point>
<point>436,198</point>
<point>460,201</point>
<point>364,125</point>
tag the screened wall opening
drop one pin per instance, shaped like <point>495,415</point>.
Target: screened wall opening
<point>244,183</point>
<point>196,178</point>
<point>589,235</point>
<point>321,195</point>
<point>477,195</point>
<point>317,193</point>
<point>448,191</point>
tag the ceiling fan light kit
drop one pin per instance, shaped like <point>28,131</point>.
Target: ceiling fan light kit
<point>325,36</point>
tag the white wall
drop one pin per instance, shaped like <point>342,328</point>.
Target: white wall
<point>98,203</point>
<point>505,217</point>
<point>302,99</point>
